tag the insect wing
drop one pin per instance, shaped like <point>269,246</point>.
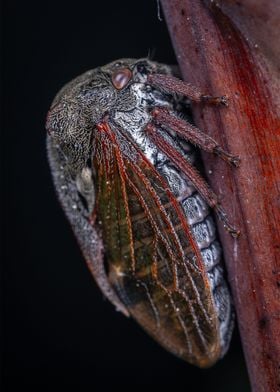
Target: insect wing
<point>154,264</point>
<point>87,235</point>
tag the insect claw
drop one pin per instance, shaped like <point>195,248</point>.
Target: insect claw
<point>235,233</point>
<point>223,217</point>
<point>234,160</point>
<point>223,100</point>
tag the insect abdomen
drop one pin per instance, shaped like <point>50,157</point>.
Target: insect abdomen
<point>203,228</point>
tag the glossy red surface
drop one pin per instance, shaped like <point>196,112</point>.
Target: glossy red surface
<point>216,55</point>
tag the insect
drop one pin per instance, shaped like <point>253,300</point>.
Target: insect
<point>123,165</point>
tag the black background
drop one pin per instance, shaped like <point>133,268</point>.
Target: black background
<point>58,332</point>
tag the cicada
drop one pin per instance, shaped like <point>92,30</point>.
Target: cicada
<point>124,167</point>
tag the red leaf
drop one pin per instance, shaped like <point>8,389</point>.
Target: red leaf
<point>234,51</point>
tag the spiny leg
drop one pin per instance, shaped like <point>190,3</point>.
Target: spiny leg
<point>199,183</point>
<point>166,120</point>
<point>172,85</point>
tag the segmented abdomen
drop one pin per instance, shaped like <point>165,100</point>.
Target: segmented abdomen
<point>203,228</point>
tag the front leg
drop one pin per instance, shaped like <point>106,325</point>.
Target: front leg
<point>170,84</point>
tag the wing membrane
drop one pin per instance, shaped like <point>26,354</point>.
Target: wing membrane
<point>154,263</point>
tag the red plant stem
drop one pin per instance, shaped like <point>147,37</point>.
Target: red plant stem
<point>218,51</point>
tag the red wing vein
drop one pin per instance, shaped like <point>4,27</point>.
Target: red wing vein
<point>153,306</point>
<point>151,189</point>
<point>192,312</point>
<point>181,321</point>
<point>123,177</point>
<point>195,319</point>
<point>152,221</point>
<point>148,186</point>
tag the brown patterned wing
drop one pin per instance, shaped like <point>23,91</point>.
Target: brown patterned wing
<point>154,263</point>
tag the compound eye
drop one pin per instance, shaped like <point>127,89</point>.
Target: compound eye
<point>121,77</point>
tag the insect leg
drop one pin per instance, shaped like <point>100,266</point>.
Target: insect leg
<point>165,119</point>
<point>172,85</point>
<point>199,183</point>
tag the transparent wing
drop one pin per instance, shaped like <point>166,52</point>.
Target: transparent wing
<point>154,264</point>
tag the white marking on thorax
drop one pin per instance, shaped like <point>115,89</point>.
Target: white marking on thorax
<point>135,121</point>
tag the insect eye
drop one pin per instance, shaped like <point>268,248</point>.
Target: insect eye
<point>121,77</point>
